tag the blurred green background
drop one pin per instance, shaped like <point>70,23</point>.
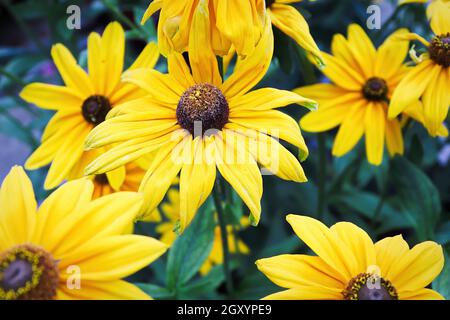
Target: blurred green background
<point>406,195</point>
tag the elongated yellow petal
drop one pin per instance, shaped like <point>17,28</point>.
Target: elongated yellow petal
<point>436,101</point>
<point>391,55</point>
<point>326,244</point>
<point>292,22</point>
<point>154,6</point>
<point>340,73</point>
<point>201,56</point>
<point>69,198</point>
<point>17,208</point>
<point>394,137</point>
<point>269,98</point>
<point>239,168</point>
<point>180,70</point>
<point>48,96</point>
<point>306,293</point>
<point>117,177</point>
<point>196,179</point>
<point>295,270</point>
<point>359,242</point>
<point>350,131</point>
<point>108,290</point>
<point>253,68</point>
<point>411,88</point>
<point>389,251</point>
<point>160,86</point>
<point>147,58</point>
<point>73,75</point>
<point>422,294</point>
<point>113,53</point>
<point>375,127</point>
<point>418,267</point>
<point>440,23</point>
<point>96,62</point>
<point>115,257</point>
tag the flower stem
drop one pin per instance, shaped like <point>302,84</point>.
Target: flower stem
<point>217,196</point>
<point>321,176</point>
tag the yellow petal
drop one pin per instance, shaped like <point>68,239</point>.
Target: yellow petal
<point>359,242</point>
<point>440,23</point>
<point>389,251</point>
<point>109,290</point>
<point>418,267</point>
<point>48,96</point>
<point>307,293</point>
<point>196,180</point>
<point>253,68</point>
<point>394,137</point>
<point>351,130</point>
<point>292,22</point>
<point>421,294</point>
<point>294,270</point>
<point>116,177</point>
<point>113,53</point>
<point>326,244</point>
<point>113,258</point>
<point>342,74</point>
<point>154,6</point>
<point>391,55</point>
<point>73,75</point>
<point>180,70</point>
<point>411,88</point>
<point>240,169</point>
<point>375,127</point>
<point>17,208</point>
<point>147,58</point>
<point>201,56</point>
<point>269,98</point>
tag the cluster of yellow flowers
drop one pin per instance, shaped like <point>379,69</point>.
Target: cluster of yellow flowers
<point>123,138</point>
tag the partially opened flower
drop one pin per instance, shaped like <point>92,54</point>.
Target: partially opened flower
<point>429,80</point>
<point>171,211</point>
<point>71,247</point>
<point>83,103</point>
<point>198,122</point>
<point>433,7</point>
<point>363,80</point>
<point>350,266</point>
<point>234,24</point>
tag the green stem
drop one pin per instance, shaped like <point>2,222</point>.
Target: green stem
<point>321,176</point>
<point>217,196</point>
<point>12,77</point>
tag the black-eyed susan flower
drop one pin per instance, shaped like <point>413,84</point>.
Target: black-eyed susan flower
<point>363,80</point>
<point>197,122</point>
<point>433,7</point>
<point>234,24</point>
<point>350,266</point>
<point>83,103</point>
<point>171,211</point>
<point>71,247</point>
<point>429,80</point>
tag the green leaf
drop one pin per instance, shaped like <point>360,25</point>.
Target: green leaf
<point>442,283</point>
<point>417,195</point>
<point>191,248</point>
<point>207,284</point>
<point>154,291</point>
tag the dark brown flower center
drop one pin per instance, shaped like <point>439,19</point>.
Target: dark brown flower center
<point>366,286</point>
<point>375,89</point>
<point>440,50</point>
<point>28,272</point>
<point>95,108</point>
<point>101,179</point>
<point>269,3</point>
<point>202,107</point>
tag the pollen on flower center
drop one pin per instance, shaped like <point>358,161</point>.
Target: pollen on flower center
<point>202,107</point>
<point>440,50</point>
<point>375,89</point>
<point>28,272</point>
<point>95,108</point>
<point>366,286</point>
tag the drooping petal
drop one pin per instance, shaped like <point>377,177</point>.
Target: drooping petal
<point>375,128</point>
<point>394,137</point>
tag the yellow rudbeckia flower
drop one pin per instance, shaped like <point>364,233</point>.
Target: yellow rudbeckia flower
<point>350,266</point>
<point>83,103</point>
<point>430,79</point>
<point>363,81</point>
<point>234,24</point>
<point>71,247</point>
<point>168,121</point>
<point>171,210</point>
<point>433,7</point>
